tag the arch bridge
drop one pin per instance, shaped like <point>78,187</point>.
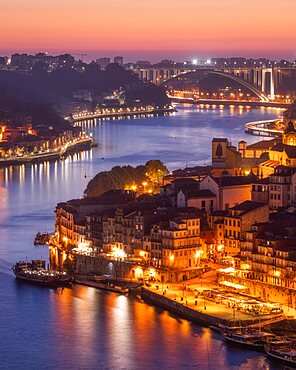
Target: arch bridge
<point>259,81</point>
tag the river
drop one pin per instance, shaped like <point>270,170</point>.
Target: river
<point>83,328</point>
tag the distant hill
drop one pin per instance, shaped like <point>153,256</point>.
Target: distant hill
<point>41,90</point>
<point>42,86</point>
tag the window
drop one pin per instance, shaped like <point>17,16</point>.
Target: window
<point>230,222</point>
<point>234,223</point>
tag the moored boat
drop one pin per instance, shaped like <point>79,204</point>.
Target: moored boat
<point>285,354</point>
<point>35,272</point>
<point>252,339</point>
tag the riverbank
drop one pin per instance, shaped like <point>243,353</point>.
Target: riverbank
<point>262,128</point>
<point>120,286</point>
<point>236,103</point>
<point>203,312</point>
<point>121,113</point>
<point>69,148</point>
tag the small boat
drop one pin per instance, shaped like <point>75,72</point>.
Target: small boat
<point>35,272</point>
<point>285,354</point>
<point>41,239</point>
<point>249,339</point>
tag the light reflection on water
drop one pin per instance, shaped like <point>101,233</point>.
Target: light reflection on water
<point>87,329</point>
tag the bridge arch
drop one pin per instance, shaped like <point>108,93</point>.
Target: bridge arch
<point>240,81</point>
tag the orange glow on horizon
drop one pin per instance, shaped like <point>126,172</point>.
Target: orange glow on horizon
<point>207,25</point>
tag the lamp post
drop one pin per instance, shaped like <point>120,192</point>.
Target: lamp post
<point>145,183</point>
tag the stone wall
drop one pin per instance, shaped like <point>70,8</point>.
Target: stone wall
<point>186,312</point>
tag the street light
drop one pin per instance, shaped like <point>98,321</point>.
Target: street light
<point>145,183</point>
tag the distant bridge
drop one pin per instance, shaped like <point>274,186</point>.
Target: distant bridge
<point>260,81</point>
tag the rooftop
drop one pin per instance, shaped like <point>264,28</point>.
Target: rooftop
<point>264,144</point>
<point>235,180</point>
<point>247,206</point>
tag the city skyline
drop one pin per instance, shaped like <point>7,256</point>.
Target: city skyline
<point>181,30</point>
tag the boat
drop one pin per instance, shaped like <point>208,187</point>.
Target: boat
<point>35,272</point>
<point>41,239</point>
<point>285,354</point>
<point>249,339</point>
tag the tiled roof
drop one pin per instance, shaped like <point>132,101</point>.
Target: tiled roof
<point>195,193</point>
<point>263,144</point>
<point>247,206</point>
<point>235,180</point>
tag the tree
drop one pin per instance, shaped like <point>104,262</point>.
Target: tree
<point>155,170</point>
<point>121,177</point>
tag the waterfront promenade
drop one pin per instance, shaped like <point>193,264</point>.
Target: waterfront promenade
<point>49,155</point>
<point>236,103</point>
<point>120,113</point>
<point>263,128</point>
<point>188,300</point>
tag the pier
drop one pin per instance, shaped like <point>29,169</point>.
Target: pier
<point>262,128</point>
<point>51,155</point>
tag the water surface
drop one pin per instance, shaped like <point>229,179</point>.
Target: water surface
<point>83,328</point>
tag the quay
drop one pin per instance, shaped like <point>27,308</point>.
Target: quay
<point>120,113</point>
<point>236,103</point>
<point>120,286</point>
<point>84,143</point>
<point>262,128</point>
<point>206,313</point>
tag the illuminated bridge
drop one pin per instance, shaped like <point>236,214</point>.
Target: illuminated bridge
<point>260,81</point>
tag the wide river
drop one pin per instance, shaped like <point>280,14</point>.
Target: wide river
<point>84,328</point>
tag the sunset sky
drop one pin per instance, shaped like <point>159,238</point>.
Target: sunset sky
<point>177,29</point>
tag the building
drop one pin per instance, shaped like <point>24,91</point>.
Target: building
<point>238,220</point>
<point>281,153</point>
<point>118,60</point>
<point>260,190</point>
<point>204,200</point>
<point>225,155</point>
<point>290,114</point>
<point>267,267</point>
<point>229,190</point>
<point>103,62</point>
<point>216,223</point>
<point>71,216</point>
<point>181,243</point>
<point>195,173</point>
<point>254,154</point>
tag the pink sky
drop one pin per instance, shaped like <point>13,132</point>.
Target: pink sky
<point>172,28</point>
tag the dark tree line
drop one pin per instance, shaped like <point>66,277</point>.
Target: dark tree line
<point>121,176</point>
